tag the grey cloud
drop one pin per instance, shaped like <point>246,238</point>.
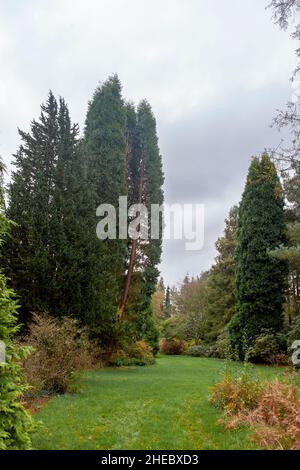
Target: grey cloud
<point>214,73</point>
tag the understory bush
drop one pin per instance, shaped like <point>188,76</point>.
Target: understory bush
<point>271,410</point>
<point>269,348</point>
<point>139,353</point>
<point>236,392</point>
<point>199,350</point>
<point>15,422</point>
<point>294,333</point>
<point>220,349</point>
<point>223,346</point>
<point>172,346</point>
<point>173,327</point>
<point>60,347</point>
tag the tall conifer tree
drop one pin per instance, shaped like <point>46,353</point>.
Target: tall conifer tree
<point>146,179</point>
<point>105,152</point>
<point>260,278</point>
<point>45,245</point>
<point>31,201</point>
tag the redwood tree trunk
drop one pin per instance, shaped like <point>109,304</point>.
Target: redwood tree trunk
<point>132,260</point>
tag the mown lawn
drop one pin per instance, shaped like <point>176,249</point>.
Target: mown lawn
<point>164,406</point>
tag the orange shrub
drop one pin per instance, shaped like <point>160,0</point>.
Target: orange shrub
<point>236,393</point>
<point>276,419</point>
<point>272,410</point>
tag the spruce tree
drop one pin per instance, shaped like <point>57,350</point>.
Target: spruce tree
<point>67,224</point>
<point>260,278</point>
<point>29,257</point>
<point>46,249</point>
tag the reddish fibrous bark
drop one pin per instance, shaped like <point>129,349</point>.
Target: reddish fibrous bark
<point>133,251</point>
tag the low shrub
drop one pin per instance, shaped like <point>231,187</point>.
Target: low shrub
<point>271,410</point>
<point>60,348</point>
<point>141,350</point>
<point>199,350</point>
<point>16,424</point>
<point>139,353</point>
<point>269,348</point>
<point>236,392</point>
<point>294,332</point>
<point>172,346</point>
<point>222,349</point>
<point>276,418</point>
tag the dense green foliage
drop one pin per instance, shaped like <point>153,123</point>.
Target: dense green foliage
<point>54,260</point>
<point>261,279</point>
<point>15,422</point>
<point>44,250</point>
<point>104,148</point>
<point>290,251</point>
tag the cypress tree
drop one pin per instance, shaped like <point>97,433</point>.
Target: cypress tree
<point>105,152</point>
<point>167,304</point>
<point>144,256</point>
<point>260,278</point>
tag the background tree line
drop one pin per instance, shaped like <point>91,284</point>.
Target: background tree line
<point>244,306</point>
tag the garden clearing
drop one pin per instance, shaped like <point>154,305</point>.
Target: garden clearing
<point>164,406</point>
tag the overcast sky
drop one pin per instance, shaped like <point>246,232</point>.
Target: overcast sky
<point>214,72</point>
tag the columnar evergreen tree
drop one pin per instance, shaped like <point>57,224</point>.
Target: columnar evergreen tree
<point>146,179</point>
<point>167,303</point>
<point>260,278</point>
<point>105,152</point>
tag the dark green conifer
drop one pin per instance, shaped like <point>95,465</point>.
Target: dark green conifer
<point>105,152</point>
<point>260,278</point>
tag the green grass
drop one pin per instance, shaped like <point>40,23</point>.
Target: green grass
<point>164,406</point>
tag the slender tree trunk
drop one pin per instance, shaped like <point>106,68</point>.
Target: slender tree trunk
<point>132,260</point>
